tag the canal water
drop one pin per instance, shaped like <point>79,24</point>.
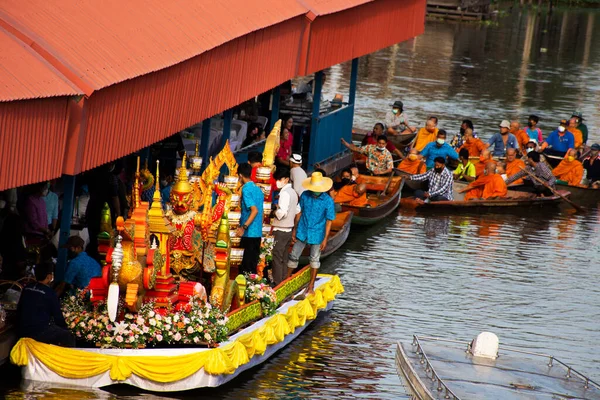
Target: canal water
<point>532,278</point>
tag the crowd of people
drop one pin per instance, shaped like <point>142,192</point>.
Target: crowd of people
<point>517,156</point>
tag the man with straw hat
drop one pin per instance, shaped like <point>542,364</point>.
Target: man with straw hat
<point>312,224</point>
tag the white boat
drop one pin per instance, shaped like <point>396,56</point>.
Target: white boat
<point>436,368</point>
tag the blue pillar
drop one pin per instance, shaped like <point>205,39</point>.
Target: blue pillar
<point>314,126</point>
<point>145,155</point>
<point>353,80</point>
<point>274,107</point>
<point>205,142</point>
<point>227,117</point>
<point>65,225</point>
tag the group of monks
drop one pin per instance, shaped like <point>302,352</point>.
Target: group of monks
<point>349,190</point>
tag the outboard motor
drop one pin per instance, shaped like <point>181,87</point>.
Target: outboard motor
<point>485,345</point>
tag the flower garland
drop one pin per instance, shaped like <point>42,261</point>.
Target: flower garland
<point>258,289</point>
<point>194,323</point>
<point>266,248</point>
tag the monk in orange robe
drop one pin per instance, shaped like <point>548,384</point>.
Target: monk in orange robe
<point>487,186</point>
<point>484,158</point>
<point>353,195</point>
<point>570,169</point>
<point>513,165</point>
<point>576,132</point>
<point>426,135</point>
<point>413,164</point>
<point>474,145</point>
<point>520,134</point>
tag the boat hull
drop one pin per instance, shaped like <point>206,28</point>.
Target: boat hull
<point>372,215</point>
<point>105,367</point>
<point>399,141</point>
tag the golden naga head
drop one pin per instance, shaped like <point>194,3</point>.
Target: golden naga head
<point>182,192</point>
<point>272,145</point>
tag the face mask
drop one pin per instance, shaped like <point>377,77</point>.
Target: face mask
<point>279,184</point>
<point>462,131</point>
<point>395,111</point>
<point>529,149</point>
<point>438,170</point>
<point>71,254</point>
<point>413,157</point>
<point>530,124</point>
<point>561,129</point>
<point>571,158</point>
<point>353,178</point>
<point>441,141</point>
<point>51,280</point>
<point>345,181</point>
<point>380,148</point>
<point>316,194</point>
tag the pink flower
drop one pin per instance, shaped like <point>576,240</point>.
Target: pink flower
<point>177,336</point>
<point>146,329</point>
<point>159,338</point>
<point>109,327</point>
<point>89,336</point>
<point>119,339</point>
<point>190,330</point>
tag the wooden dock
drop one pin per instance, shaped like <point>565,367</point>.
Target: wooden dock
<point>462,10</point>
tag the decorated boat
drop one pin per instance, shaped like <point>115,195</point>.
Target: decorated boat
<point>400,141</point>
<point>340,229</point>
<point>435,368</point>
<point>383,195</point>
<point>170,311</point>
<point>514,199</point>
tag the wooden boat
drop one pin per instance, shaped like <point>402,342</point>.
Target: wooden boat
<point>514,199</point>
<point>399,141</point>
<point>435,368</point>
<point>253,340</point>
<point>340,229</point>
<point>380,206</point>
<point>581,195</point>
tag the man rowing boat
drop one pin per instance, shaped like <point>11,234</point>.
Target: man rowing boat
<point>540,170</point>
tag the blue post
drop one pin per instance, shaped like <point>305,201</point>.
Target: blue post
<point>314,126</point>
<point>65,225</point>
<point>227,117</point>
<point>274,107</point>
<point>352,97</point>
<point>205,142</point>
<point>353,80</point>
<point>144,155</point>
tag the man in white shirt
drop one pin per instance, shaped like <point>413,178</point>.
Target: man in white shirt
<point>297,174</point>
<point>283,222</point>
<point>397,121</point>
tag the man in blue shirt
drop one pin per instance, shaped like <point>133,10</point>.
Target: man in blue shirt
<point>38,313</point>
<point>251,219</point>
<point>439,148</point>
<point>313,223</point>
<point>503,140</point>
<point>81,269</point>
<point>559,141</point>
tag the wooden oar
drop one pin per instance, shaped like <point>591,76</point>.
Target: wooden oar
<point>387,185</point>
<point>577,207</point>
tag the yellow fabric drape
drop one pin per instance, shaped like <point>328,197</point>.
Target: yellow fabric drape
<point>78,364</point>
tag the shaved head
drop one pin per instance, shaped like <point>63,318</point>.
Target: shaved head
<point>361,188</point>
<point>514,125</point>
<point>511,154</point>
<point>490,167</point>
<point>486,154</point>
<point>414,151</point>
<point>572,152</point>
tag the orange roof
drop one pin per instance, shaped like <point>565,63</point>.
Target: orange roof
<point>110,41</point>
<point>323,7</point>
<point>26,75</point>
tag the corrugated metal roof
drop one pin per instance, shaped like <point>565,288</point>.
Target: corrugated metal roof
<point>26,75</point>
<point>324,7</point>
<point>110,41</point>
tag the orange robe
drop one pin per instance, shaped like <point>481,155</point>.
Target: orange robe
<point>412,167</point>
<point>522,138</point>
<point>569,171</point>
<point>578,136</point>
<point>487,186</point>
<point>475,147</point>
<point>480,166</point>
<point>424,138</point>
<point>514,167</point>
<point>346,195</point>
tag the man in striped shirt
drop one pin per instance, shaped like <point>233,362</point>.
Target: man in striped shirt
<point>440,182</point>
<point>540,170</point>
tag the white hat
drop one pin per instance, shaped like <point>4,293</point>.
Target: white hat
<point>505,124</point>
<point>296,158</point>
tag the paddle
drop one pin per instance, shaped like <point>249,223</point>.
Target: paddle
<point>387,185</point>
<point>578,208</point>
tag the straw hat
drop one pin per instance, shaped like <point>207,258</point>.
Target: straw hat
<point>317,183</point>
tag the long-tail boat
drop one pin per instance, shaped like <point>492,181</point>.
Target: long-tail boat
<point>383,194</point>
<point>436,368</point>
<point>399,141</point>
<point>513,200</point>
<point>340,229</point>
<point>148,323</point>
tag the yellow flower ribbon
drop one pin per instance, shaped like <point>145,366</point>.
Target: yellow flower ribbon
<point>79,364</point>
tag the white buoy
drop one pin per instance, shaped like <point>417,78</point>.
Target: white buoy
<point>485,345</point>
